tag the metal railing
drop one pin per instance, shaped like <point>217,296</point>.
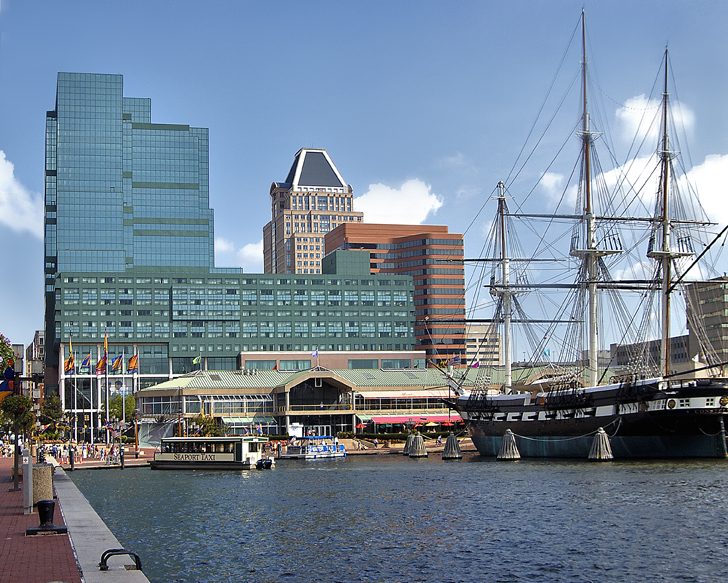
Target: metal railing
<point>368,410</point>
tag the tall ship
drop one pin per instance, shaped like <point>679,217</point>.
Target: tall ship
<point>570,395</point>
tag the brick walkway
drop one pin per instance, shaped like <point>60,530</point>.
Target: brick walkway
<point>32,559</point>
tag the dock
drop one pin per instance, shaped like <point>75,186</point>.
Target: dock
<point>69,558</point>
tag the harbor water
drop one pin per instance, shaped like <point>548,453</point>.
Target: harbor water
<point>392,518</point>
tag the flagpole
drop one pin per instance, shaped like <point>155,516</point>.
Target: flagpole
<point>75,400</point>
<point>123,396</point>
<point>83,404</point>
<point>106,381</point>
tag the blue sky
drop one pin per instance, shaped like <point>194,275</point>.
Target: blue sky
<point>424,103</point>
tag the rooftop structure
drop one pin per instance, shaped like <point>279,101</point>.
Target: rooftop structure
<point>313,200</point>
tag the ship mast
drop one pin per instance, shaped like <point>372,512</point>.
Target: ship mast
<point>589,253</point>
<point>505,292</point>
<point>665,254</point>
<point>591,256</point>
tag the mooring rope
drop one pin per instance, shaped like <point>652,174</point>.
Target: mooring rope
<point>618,419</point>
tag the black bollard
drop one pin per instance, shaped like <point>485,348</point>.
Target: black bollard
<point>71,456</point>
<point>121,456</point>
<point>46,508</point>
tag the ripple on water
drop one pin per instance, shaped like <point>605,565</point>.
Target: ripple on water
<point>389,518</point>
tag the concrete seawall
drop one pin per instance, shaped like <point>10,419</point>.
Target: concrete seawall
<point>90,537</point>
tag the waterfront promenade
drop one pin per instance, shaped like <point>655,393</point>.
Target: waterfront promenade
<point>33,559</point>
<point>70,558</point>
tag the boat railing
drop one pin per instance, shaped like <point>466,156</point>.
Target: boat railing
<point>315,448</point>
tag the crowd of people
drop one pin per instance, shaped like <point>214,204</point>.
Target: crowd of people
<point>80,452</point>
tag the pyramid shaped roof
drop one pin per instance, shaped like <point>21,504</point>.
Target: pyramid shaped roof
<point>314,168</point>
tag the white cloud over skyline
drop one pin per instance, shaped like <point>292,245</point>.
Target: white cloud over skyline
<point>249,256</point>
<point>411,204</point>
<point>20,209</point>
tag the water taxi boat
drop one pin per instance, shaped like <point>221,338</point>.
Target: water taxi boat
<point>235,452</point>
<point>313,447</point>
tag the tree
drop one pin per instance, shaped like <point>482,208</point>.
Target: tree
<point>17,408</point>
<point>116,405</point>
<point>6,353</point>
<point>51,410</point>
<point>209,427</point>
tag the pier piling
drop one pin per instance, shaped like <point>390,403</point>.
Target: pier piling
<point>601,450</point>
<point>452,450</point>
<point>408,444</point>
<point>418,448</point>
<point>508,449</point>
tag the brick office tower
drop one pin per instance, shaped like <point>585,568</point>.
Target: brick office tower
<point>313,200</point>
<point>433,257</point>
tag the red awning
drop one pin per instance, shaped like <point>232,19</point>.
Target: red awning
<point>418,419</point>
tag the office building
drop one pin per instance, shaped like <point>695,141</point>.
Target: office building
<point>433,257</point>
<point>313,200</point>
<point>129,259</point>
<point>707,309</point>
<point>484,345</point>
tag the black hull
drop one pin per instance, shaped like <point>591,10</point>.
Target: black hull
<point>650,421</point>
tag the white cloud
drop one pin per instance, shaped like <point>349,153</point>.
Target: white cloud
<point>640,117</point>
<point>552,185</point>
<point>20,209</point>
<point>249,257</point>
<point>223,246</point>
<point>409,205</point>
<point>709,178</point>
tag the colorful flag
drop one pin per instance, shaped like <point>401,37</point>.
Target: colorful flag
<point>101,365</point>
<point>116,364</point>
<point>196,359</point>
<point>106,344</point>
<point>476,364</point>
<point>86,361</point>
<point>69,364</point>
<point>455,360</point>
<point>133,364</point>
<point>315,353</point>
<point>547,352</point>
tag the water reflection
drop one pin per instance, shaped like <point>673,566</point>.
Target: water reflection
<point>390,518</point>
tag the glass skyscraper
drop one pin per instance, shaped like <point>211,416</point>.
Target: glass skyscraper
<point>129,255</point>
<point>122,192</point>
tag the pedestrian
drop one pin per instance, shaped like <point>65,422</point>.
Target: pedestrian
<point>376,443</point>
